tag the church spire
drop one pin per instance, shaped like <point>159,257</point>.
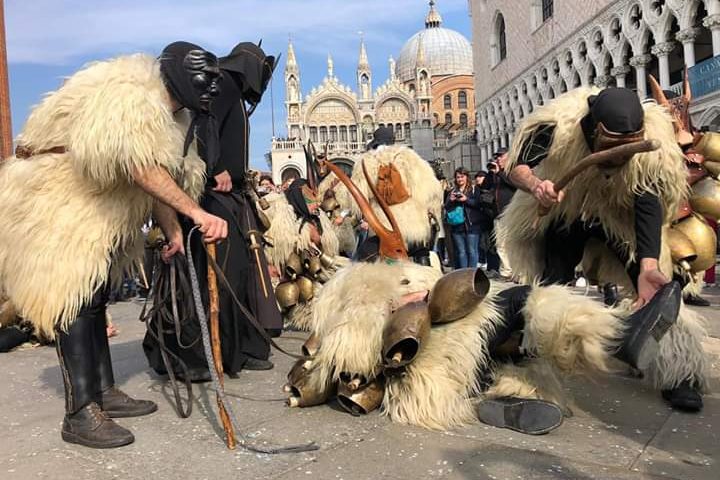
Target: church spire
<point>364,75</point>
<point>433,18</point>
<point>291,65</point>
<point>420,55</point>
<point>363,62</point>
<point>330,67</point>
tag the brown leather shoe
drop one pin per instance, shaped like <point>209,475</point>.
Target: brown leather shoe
<point>91,427</point>
<point>118,404</point>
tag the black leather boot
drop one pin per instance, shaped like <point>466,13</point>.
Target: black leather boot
<point>610,294</point>
<point>529,416</point>
<point>647,326</point>
<point>85,423</point>
<point>685,396</point>
<point>112,400</point>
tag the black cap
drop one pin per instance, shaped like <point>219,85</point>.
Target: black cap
<point>381,136</point>
<point>500,151</point>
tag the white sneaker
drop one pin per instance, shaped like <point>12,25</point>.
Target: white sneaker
<point>581,282</point>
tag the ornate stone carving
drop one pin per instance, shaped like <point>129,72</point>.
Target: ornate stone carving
<point>663,49</point>
<point>602,81</point>
<point>640,60</point>
<point>688,35</point>
<point>712,21</point>
<point>619,71</point>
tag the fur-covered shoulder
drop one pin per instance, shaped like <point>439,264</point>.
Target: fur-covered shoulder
<point>112,116</point>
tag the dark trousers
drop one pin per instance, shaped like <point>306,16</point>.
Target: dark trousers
<point>564,248</point>
<point>84,355</point>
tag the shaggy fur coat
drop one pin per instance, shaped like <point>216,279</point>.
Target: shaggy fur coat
<point>66,218</point>
<point>426,193</point>
<point>610,200</point>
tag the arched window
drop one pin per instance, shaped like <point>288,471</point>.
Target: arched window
<point>463,119</point>
<point>499,49</point>
<point>323,134</point>
<point>343,133</point>
<point>313,134</point>
<point>462,99</point>
<point>353,133</point>
<point>448,118</point>
<point>333,134</point>
<point>447,101</point>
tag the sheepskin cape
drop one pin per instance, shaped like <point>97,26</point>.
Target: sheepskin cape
<point>426,194</point>
<point>66,218</point>
<point>591,195</point>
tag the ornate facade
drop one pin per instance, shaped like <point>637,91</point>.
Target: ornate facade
<point>429,92</point>
<point>525,57</point>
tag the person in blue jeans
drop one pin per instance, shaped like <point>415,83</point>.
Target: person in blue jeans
<point>462,210</point>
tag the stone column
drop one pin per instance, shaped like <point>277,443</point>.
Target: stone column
<point>495,145</point>
<point>639,62</point>
<point>687,38</point>
<point>503,139</point>
<point>713,23</point>
<point>620,73</point>
<point>662,52</point>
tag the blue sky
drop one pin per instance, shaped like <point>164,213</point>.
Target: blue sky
<point>50,39</point>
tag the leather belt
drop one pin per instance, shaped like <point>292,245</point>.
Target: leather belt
<point>23,151</point>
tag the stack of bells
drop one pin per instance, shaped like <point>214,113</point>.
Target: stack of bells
<point>692,241</point>
<point>405,334</point>
<point>303,271</point>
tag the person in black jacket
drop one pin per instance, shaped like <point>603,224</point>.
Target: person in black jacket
<point>463,213</point>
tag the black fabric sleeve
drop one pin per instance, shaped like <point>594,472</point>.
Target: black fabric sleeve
<point>536,147</point>
<point>648,225</point>
<point>233,143</point>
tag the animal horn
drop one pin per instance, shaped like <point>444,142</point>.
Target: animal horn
<point>392,244</point>
<point>657,92</point>
<point>687,93</point>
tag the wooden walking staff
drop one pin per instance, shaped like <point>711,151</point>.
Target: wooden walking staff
<point>215,342</point>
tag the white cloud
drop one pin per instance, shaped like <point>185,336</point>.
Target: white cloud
<point>60,32</point>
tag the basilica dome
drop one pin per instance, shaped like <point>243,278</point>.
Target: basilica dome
<point>445,51</point>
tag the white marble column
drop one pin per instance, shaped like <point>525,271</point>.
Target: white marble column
<point>620,73</point>
<point>503,139</point>
<point>640,62</point>
<point>713,23</point>
<point>687,38</point>
<point>662,52</point>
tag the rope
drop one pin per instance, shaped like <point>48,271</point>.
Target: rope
<point>241,439</point>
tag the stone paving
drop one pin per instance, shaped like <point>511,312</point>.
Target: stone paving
<point>620,429</point>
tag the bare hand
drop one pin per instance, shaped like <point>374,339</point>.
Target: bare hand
<point>461,198</point>
<point>171,248</point>
<point>545,193</point>
<point>338,221</point>
<point>223,181</point>
<point>649,282</point>
<point>364,225</point>
<point>213,228</point>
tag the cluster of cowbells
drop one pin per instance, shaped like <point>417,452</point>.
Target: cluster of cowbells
<point>692,241</point>
<point>452,298</point>
<point>302,271</point>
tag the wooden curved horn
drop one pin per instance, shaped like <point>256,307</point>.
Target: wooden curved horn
<point>392,245</point>
<point>687,93</point>
<point>657,92</point>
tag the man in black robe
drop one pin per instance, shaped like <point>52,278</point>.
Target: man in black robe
<point>246,73</point>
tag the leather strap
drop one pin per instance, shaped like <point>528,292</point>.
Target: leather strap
<point>24,151</point>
